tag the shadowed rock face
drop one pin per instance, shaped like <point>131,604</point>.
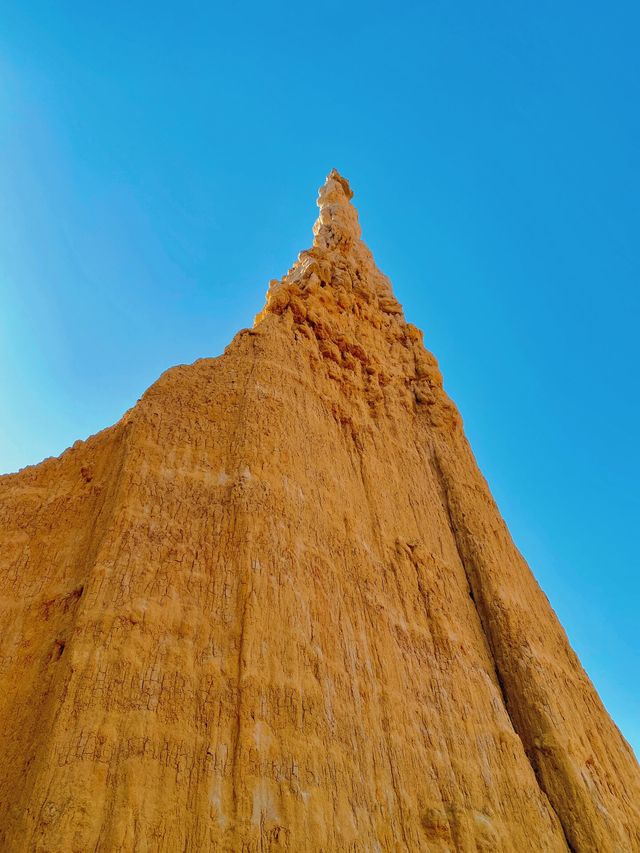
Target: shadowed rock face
<point>275,607</point>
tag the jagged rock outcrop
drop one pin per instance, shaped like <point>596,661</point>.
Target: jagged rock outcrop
<point>276,608</point>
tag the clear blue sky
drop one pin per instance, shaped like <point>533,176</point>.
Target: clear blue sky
<point>159,164</point>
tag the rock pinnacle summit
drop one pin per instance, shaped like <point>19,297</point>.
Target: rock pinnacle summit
<point>275,608</point>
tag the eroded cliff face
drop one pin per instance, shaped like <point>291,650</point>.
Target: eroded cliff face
<point>276,608</point>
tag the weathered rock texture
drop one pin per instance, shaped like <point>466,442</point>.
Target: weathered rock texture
<point>276,608</point>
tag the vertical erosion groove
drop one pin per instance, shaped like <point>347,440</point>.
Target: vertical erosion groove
<point>476,596</point>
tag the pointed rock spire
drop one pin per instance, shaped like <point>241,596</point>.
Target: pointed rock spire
<point>338,261</point>
<point>337,225</point>
<point>275,607</point>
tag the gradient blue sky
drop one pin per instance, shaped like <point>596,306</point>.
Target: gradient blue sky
<point>159,164</point>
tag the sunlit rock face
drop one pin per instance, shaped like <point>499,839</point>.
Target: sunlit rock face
<point>275,608</point>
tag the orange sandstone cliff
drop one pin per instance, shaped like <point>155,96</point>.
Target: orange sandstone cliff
<point>275,608</point>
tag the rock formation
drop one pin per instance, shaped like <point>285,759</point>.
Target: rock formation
<point>275,608</point>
